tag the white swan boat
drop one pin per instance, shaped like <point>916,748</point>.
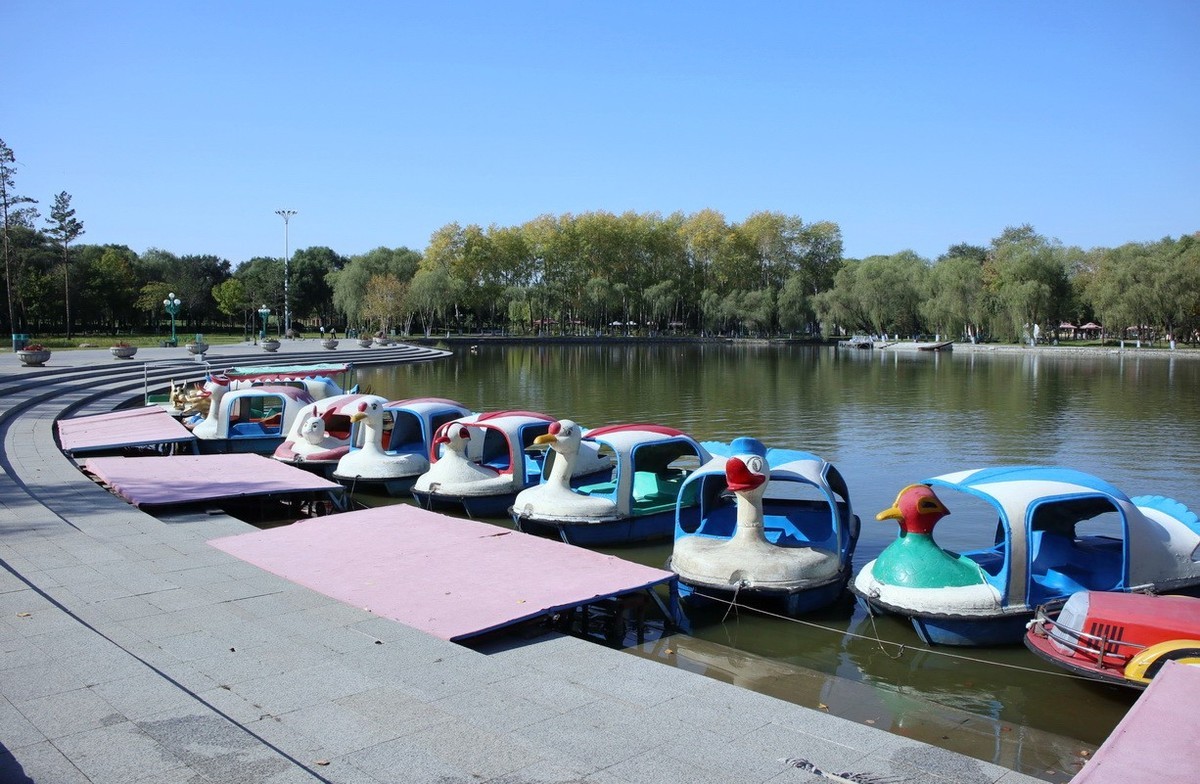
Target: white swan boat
<point>390,443</point>
<point>320,435</point>
<point>637,500</point>
<point>481,462</point>
<point>775,528</point>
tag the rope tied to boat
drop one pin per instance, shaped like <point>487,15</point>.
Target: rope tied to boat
<point>902,646</point>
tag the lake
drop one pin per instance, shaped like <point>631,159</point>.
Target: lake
<point>886,419</point>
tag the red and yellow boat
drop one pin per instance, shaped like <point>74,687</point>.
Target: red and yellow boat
<point>1119,638</point>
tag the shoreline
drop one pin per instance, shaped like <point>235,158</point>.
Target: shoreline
<point>999,348</point>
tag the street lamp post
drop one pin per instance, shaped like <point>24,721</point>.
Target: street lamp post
<point>287,313</point>
<point>264,313</point>
<point>172,303</point>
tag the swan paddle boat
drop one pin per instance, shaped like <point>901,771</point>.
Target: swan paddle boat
<point>1059,531</point>
<point>320,436</point>
<point>390,443</point>
<point>636,502</point>
<point>775,529</point>
<point>251,419</point>
<point>1118,638</point>
<point>481,462</point>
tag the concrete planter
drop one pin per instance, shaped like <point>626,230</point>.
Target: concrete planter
<point>197,348</point>
<point>329,343</point>
<point>33,358</point>
<point>365,342</point>
<point>123,352</point>
<point>270,345</point>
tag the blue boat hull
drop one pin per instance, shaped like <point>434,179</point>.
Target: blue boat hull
<point>396,488</point>
<point>1007,629</point>
<point>472,506</point>
<point>628,530</point>
<point>265,445</point>
<point>791,603</point>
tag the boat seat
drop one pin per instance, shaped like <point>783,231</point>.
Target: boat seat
<point>244,429</point>
<point>598,489</point>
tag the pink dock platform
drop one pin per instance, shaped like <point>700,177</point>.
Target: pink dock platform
<point>185,479</point>
<point>148,426</point>
<point>1158,740</point>
<point>449,577</point>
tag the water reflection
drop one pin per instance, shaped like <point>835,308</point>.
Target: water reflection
<point>886,419</point>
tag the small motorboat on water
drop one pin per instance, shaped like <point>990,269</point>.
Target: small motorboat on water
<point>775,529</point>
<point>1059,531</point>
<point>481,462</point>
<point>252,419</point>
<point>320,435</point>
<point>390,443</point>
<point>635,502</point>
<point>1119,638</point>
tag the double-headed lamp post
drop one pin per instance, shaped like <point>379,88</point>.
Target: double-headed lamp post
<point>287,313</point>
<point>172,303</point>
<point>264,313</point>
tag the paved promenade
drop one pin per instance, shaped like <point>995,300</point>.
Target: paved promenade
<point>135,652</point>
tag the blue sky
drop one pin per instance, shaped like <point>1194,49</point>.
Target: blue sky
<point>912,125</point>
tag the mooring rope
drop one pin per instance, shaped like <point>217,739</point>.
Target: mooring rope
<point>900,646</point>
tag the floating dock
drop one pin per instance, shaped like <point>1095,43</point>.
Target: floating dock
<point>150,426</point>
<point>178,480</point>
<point>449,577</point>
<point>1156,741</point>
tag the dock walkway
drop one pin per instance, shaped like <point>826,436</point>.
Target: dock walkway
<point>133,651</point>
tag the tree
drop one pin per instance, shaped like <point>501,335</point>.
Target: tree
<point>1028,275</point>
<point>106,284</point>
<point>63,227</point>
<point>383,301</point>
<point>311,294</point>
<point>230,296</point>
<point>9,204</point>
<point>955,304</point>
<point>351,284</point>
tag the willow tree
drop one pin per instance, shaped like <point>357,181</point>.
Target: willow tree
<point>1027,273</point>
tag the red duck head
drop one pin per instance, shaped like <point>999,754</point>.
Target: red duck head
<point>917,508</point>
<point>746,472</point>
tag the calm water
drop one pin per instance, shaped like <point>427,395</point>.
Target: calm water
<point>885,419</point>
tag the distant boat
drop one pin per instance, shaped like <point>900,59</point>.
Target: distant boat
<point>859,342</point>
<point>918,345</point>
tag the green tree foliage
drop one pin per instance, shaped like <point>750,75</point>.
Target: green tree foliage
<point>230,296</point>
<point>63,227</point>
<point>384,299</point>
<point>11,211</point>
<point>1028,275</point>
<point>351,285</point>
<point>107,283</point>
<point>310,292</point>
<point>878,295</point>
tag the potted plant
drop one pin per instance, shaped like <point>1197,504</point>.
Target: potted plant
<point>122,350</point>
<point>33,355</point>
<point>270,344</point>
<point>197,346</point>
<point>365,342</point>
